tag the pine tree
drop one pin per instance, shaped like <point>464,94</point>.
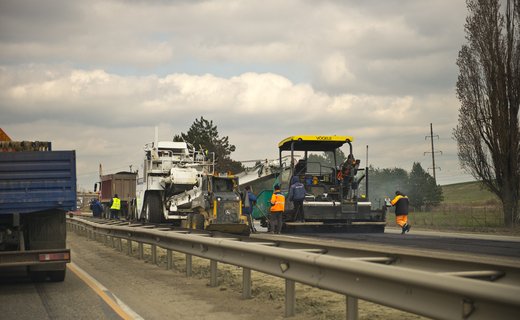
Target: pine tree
<point>203,134</point>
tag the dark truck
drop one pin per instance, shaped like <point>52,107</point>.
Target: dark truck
<point>37,189</point>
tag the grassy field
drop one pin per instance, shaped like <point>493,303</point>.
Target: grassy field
<point>468,194</point>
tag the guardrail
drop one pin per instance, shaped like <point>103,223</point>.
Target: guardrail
<point>434,295</point>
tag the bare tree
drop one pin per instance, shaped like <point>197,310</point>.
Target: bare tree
<point>488,88</point>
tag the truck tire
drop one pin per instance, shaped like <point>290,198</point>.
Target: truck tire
<point>38,276</point>
<point>154,207</point>
<point>106,212</point>
<point>189,221</point>
<point>198,221</point>
<point>57,275</point>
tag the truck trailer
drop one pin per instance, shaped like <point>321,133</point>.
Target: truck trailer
<point>123,184</point>
<point>37,189</point>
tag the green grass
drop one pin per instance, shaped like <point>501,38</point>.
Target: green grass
<point>468,194</point>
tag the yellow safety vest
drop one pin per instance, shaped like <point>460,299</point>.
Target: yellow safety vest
<point>116,204</point>
<point>278,202</point>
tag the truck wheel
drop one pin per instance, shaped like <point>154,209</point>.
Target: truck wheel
<point>37,276</point>
<point>106,212</point>
<point>57,275</point>
<point>198,221</point>
<point>154,208</point>
<point>189,221</point>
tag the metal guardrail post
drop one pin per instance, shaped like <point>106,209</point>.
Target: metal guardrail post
<point>290,297</point>
<point>129,247</point>
<point>188,265</point>
<point>112,242</point>
<point>120,244</point>
<point>246,283</point>
<point>154,254</point>
<point>141,251</point>
<point>169,260</point>
<point>352,308</point>
<point>213,282</point>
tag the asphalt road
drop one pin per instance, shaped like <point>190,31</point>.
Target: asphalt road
<point>71,299</point>
<point>478,244</point>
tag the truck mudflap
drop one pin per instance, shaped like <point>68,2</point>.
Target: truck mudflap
<point>234,228</point>
<point>34,257</point>
<point>324,227</point>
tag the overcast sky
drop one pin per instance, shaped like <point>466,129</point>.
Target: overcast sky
<point>98,76</point>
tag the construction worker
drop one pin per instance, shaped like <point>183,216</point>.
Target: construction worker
<point>115,207</point>
<point>297,195</point>
<point>249,199</point>
<point>96,207</point>
<point>400,202</point>
<point>277,208</point>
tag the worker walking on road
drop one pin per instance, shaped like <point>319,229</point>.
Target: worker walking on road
<point>400,202</point>
<point>297,195</point>
<point>115,207</point>
<point>249,200</point>
<point>277,208</point>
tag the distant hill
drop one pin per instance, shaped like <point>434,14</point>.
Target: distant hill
<point>468,193</point>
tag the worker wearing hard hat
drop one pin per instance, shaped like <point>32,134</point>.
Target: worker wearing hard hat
<point>400,202</point>
<point>277,208</point>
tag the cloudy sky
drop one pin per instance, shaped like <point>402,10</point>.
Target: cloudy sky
<point>98,76</point>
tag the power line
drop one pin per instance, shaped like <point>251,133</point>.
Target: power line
<point>433,152</point>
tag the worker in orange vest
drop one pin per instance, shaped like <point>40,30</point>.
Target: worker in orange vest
<point>400,202</point>
<point>277,208</point>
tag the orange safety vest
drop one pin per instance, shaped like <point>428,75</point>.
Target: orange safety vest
<point>278,203</point>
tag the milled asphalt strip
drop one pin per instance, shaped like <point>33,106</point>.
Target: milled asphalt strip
<point>117,305</point>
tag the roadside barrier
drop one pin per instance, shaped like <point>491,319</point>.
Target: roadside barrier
<point>454,295</point>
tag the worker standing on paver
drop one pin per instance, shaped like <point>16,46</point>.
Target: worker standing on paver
<point>400,202</point>
<point>277,208</point>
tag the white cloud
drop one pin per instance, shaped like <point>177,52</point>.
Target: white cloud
<point>107,72</point>
<point>335,71</point>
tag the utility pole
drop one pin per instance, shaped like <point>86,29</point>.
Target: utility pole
<point>433,152</point>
